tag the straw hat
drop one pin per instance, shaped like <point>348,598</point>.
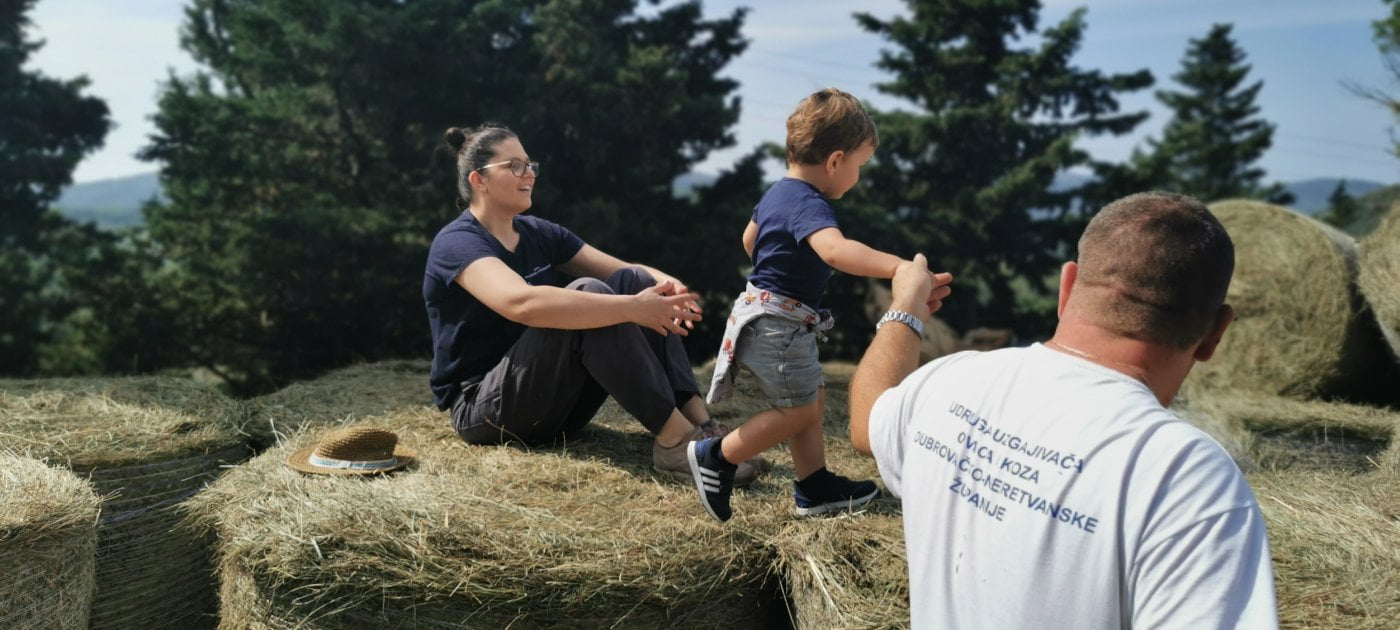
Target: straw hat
<point>353,451</point>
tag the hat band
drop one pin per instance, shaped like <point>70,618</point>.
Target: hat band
<point>331,462</point>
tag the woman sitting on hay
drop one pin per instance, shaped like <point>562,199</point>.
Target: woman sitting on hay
<point>516,357</point>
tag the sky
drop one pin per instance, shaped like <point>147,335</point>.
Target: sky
<point>1303,50</point>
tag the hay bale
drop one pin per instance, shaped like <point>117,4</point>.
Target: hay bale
<point>1380,277</point>
<point>147,444</point>
<point>1274,432</point>
<point>342,396</point>
<point>1300,332</point>
<point>1336,546</point>
<point>580,534</point>
<point>48,542</point>
<point>848,571</point>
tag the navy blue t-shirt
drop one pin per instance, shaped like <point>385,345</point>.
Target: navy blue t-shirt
<point>783,261</point>
<point>468,337</point>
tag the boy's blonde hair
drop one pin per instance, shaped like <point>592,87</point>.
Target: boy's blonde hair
<point>826,122</point>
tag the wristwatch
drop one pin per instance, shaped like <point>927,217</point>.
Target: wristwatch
<point>903,318</point>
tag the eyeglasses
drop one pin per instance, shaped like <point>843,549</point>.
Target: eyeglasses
<point>517,167</point>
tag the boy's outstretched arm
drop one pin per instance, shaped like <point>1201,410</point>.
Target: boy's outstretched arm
<point>851,256</point>
<point>750,237</point>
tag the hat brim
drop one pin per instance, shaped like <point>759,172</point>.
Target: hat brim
<point>301,461</point>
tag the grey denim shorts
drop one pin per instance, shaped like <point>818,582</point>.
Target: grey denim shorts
<point>782,355</point>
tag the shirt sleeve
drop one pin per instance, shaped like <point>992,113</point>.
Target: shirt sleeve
<point>809,217</point>
<point>452,251</point>
<point>1215,573</point>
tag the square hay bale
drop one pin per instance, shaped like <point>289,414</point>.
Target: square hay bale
<point>48,545</point>
<point>342,396</point>
<point>581,534</point>
<point>147,444</point>
<point>1335,539</point>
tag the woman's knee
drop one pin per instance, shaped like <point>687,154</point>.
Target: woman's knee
<point>591,285</point>
<point>630,280</point>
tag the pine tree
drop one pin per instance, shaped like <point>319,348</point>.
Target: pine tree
<point>1342,208</point>
<point>1387,38</point>
<point>300,162</point>
<point>1209,148</point>
<point>968,178</point>
<point>46,126</point>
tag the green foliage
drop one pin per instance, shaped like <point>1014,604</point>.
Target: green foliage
<point>1215,136</point>
<point>967,176</point>
<point>1342,208</point>
<point>46,126</point>
<point>300,169</point>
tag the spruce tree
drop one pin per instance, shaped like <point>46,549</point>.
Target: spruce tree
<point>1342,208</point>
<point>967,177</point>
<point>305,181</point>
<point>46,126</point>
<point>1209,148</point>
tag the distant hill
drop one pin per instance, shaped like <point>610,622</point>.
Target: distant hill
<point>111,203</point>
<point>1311,194</point>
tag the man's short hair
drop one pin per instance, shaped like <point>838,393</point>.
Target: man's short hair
<point>1157,266</point>
<point>826,122</point>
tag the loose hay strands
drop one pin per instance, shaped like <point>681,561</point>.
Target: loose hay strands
<point>342,396</point>
<point>146,444</point>
<point>847,571</point>
<point>48,541</point>
<point>1299,331</point>
<point>1380,276</point>
<point>1336,546</point>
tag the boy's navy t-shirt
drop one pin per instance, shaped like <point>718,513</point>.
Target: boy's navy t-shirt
<point>468,337</point>
<point>783,261</point>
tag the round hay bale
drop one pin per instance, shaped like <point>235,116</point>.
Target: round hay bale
<point>1299,331</point>
<point>1335,546</point>
<point>339,397</point>
<point>48,544</point>
<point>147,444</point>
<point>1380,276</point>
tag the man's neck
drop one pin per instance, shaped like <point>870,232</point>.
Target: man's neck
<point>1160,368</point>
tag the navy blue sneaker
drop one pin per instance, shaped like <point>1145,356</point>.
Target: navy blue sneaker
<point>824,491</point>
<point>714,477</point>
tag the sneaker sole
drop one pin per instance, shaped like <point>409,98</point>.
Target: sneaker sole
<point>687,476</point>
<point>827,508</point>
<point>699,480</point>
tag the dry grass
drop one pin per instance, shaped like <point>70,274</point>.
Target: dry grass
<point>146,444</point>
<point>48,543</point>
<point>342,396</point>
<point>1336,546</point>
<point>1300,331</point>
<point>1380,276</point>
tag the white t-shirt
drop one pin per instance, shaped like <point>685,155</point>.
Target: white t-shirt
<point>1044,491</point>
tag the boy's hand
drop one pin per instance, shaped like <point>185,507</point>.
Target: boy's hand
<point>917,290</point>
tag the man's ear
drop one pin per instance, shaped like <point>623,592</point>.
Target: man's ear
<point>833,161</point>
<point>1068,272</point>
<point>1223,318</point>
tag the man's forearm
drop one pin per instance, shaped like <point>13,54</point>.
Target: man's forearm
<point>893,355</point>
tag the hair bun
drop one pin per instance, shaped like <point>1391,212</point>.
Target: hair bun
<point>455,137</point>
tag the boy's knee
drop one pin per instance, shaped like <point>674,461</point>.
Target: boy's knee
<point>630,280</point>
<point>591,285</point>
<point>805,415</point>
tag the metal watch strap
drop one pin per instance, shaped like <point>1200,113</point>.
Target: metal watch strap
<point>902,317</point>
